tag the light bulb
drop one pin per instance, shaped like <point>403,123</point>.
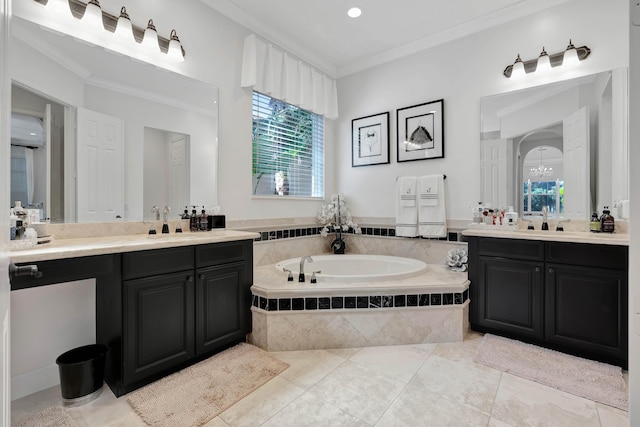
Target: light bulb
<point>517,71</point>
<point>175,48</point>
<point>354,12</point>
<point>124,29</point>
<point>150,38</point>
<point>544,63</point>
<point>93,15</point>
<point>570,57</point>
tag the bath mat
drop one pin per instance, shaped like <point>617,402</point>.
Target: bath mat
<point>54,416</point>
<point>197,394</point>
<point>593,380</point>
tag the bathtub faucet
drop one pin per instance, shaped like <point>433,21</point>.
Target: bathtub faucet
<point>302,260</point>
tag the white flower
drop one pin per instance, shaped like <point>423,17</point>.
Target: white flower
<point>335,216</point>
<point>457,259</point>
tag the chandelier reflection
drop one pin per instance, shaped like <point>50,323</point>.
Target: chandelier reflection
<point>541,171</point>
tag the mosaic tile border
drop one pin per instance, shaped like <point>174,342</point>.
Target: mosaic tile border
<point>362,302</point>
<point>267,235</point>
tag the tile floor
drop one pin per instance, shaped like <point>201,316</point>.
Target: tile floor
<point>408,385</point>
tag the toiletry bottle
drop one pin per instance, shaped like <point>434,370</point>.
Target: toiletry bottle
<point>204,222</point>
<point>185,214</point>
<point>594,225</point>
<point>193,220</point>
<point>607,224</point>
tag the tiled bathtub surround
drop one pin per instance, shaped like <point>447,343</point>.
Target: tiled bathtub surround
<point>429,308</point>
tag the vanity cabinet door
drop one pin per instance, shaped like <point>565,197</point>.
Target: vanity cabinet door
<point>158,324</point>
<point>586,311</point>
<point>223,303</point>
<point>510,296</point>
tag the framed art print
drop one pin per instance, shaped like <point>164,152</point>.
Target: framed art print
<point>370,140</point>
<point>421,131</point>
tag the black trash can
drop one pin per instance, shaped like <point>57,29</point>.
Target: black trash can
<point>81,373</point>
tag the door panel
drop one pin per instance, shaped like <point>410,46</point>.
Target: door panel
<point>100,164</point>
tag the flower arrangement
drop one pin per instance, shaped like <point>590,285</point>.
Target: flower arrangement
<point>457,259</point>
<point>336,218</point>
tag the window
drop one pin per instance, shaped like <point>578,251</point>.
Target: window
<point>288,149</point>
<point>538,194</point>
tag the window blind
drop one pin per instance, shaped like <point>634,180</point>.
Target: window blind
<point>288,149</point>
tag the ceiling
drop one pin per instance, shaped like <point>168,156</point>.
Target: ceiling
<point>321,33</point>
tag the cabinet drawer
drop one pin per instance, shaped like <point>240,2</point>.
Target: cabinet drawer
<point>224,253</point>
<point>588,255</point>
<point>156,261</point>
<point>511,248</point>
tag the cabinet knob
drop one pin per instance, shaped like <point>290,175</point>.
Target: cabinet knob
<point>201,276</point>
<point>537,269</point>
<point>189,278</point>
<point>551,270</point>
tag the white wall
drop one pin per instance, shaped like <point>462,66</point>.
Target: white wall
<point>461,72</point>
<point>634,248</point>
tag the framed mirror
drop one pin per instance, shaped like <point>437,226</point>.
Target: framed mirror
<point>117,136</point>
<point>562,145</point>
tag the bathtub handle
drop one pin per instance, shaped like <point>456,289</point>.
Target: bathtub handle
<point>313,276</point>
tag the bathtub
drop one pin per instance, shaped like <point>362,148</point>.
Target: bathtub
<point>355,268</point>
<point>358,301</point>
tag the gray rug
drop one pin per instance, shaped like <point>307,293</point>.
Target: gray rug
<point>195,395</point>
<point>54,416</point>
<point>593,380</point>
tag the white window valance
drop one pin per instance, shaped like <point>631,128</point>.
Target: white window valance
<point>275,72</point>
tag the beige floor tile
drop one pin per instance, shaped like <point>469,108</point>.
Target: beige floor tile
<point>262,404</point>
<point>216,422</point>
<point>612,417</point>
<point>460,350</point>
<point>307,367</point>
<point>400,362</point>
<point>462,381</point>
<point>417,407</point>
<point>35,402</point>
<point>308,410</point>
<point>343,352</point>
<point>521,402</point>
<point>362,392</point>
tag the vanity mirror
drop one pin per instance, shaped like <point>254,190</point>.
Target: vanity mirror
<point>562,145</point>
<point>119,135</point>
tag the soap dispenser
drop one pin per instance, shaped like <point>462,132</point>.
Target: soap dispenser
<point>607,223</point>
<point>204,221</point>
<point>594,225</point>
<point>193,220</point>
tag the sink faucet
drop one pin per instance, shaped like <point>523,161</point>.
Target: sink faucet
<point>165,224</point>
<point>545,212</point>
<point>302,260</point>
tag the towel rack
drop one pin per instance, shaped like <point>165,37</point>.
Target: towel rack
<point>443,177</point>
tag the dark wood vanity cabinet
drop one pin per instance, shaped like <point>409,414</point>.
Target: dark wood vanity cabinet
<point>174,307</point>
<point>568,296</point>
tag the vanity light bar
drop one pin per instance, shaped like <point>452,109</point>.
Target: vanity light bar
<point>556,59</point>
<point>110,22</point>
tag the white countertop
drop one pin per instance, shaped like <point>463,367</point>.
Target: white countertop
<point>88,246</point>
<point>553,236</point>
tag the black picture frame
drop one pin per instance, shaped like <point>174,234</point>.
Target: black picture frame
<point>370,140</point>
<point>420,131</point>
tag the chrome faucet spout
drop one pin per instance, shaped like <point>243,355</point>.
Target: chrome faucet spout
<point>545,212</point>
<point>302,260</point>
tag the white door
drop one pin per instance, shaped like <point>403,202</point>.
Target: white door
<point>5,288</point>
<point>178,174</point>
<point>493,172</point>
<point>100,165</point>
<point>575,147</point>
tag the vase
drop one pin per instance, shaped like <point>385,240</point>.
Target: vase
<point>338,245</point>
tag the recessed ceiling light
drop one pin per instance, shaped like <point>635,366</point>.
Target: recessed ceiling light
<point>354,12</point>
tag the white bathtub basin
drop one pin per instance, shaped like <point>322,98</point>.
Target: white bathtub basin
<point>356,268</point>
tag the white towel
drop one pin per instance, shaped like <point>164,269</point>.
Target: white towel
<point>432,219</point>
<point>428,190</point>
<point>406,207</point>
